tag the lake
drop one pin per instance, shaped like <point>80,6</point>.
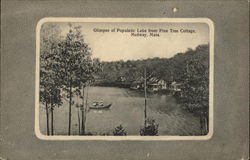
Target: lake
<point>128,110</point>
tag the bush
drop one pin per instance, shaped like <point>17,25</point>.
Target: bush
<point>151,128</point>
<point>119,131</point>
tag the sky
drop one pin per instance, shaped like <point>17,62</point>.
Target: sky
<point>113,46</point>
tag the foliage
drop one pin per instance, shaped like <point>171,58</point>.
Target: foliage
<point>49,84</point>
<point>75,65</point>
<point>195,89</point>
<point>151,128</point>
<point>50,92</point>
<point>66,65</point>
<point>74,61</point>
<point>168,69</point>
<point>119,131</point>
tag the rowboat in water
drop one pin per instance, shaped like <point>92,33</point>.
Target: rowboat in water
<point>100,105</point>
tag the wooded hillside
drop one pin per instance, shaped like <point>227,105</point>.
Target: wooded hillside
<point>172,69</point>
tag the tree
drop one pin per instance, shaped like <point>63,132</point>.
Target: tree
<point>74,62</point>
<point>78,118</point>
<point>195,90</point>
<point>119,131</point>
<point>49,86</point>
<point>44,98</point>
<point>150,129</point>
<point>55,100</point>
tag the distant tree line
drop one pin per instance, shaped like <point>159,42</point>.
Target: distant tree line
<point>168,69</point>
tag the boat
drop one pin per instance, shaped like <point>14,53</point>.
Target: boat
<point>100,105</point>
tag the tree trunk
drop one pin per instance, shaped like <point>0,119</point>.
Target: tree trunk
<point>79,121</point>
<point>204,123</point>
<point>70,101</point>
<point>207,121</point>
<point>206,126</point>
<point>85,109</point>
<point>201,124</point>
<point>82,109</point>
<point>83,124</point>
<point>52,120</point>
<point>47,117</point>
<point>145,96</point>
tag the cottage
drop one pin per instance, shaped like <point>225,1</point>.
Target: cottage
<point>153,87</point>
<point>162,84</point>
<point>121,79</point>
<point>138,83</point>
<point>155,84</point>
<point>174,86</point>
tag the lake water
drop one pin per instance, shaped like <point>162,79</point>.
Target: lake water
<point>128,110</point>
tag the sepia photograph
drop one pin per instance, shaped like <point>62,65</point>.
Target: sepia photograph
<point>114,78</point>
